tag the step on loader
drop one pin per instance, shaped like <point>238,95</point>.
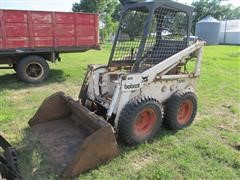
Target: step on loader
<point>150,78</point>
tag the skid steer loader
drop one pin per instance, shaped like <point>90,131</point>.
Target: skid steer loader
<point>150,77</point>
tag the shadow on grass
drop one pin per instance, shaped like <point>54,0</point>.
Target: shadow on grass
<point>11,81</point>
<point>163,132</point>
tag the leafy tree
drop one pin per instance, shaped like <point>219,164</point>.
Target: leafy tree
<point>215,9</point>
<point>105,8</point>
<point>132,23</point>
<point>109,29</point>
<point>93,6</point>
<point>117,12</point>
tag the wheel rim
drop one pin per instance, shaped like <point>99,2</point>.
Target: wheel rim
<point>185,112</point>
<point>34,70</point>
<point>145,122</point>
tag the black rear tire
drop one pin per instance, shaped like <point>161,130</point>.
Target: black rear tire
<point>180,110</point>
<point>140,120</point>
<point>33,69</point>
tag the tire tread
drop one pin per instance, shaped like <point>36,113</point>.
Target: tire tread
<point>128,113</point>
<point>173,105</point>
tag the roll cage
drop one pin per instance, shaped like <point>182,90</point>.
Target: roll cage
<point>161,30</point>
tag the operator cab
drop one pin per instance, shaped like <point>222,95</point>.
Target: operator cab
<point>149,33</point>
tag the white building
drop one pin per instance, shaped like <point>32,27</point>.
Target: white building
<point>230,32</point>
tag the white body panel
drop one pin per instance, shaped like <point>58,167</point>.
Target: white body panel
<point>113,90</point>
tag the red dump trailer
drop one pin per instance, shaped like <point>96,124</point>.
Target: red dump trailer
<point>28,39</point>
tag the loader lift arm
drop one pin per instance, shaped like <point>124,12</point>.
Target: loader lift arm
<point>163,67</point>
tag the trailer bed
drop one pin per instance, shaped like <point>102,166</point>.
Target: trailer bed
<point>45,31</point>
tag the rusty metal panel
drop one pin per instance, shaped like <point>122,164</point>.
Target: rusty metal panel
<point>1,30</point>
<point>41,17</point>
<point>17,42</point>
<point>36,29</point>
<point>42,30</point>
<point>16,29</point>
<point>11,16</point>
<point>66,41</point>
<point>65,30</point>
<point>86,29</point>
<point>65,18</point>
<point>43,41</point>
<point>74,138</point>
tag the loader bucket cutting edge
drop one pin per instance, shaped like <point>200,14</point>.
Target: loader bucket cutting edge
<point>75,139</point>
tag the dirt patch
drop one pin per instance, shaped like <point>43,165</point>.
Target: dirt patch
<point>226,127</point>
<point>139,163</point>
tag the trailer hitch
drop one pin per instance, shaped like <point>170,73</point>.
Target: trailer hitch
<point>8,161</point>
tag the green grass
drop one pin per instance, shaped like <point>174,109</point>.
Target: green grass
<point>206,150</point>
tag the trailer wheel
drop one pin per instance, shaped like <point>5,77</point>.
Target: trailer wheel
<point>181,110</point>
<point>33,69</point>
<point>140,120</point>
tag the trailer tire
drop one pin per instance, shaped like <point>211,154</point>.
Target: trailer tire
<point>140,120</point>
<point>33,69</point>
<point>180,110</point>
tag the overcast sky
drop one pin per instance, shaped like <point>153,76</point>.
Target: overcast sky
<point>58,5</point>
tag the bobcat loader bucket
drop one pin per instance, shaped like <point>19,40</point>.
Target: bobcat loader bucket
<point>75,139</point>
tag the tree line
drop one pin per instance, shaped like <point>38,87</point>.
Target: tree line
<point>109,11</point>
